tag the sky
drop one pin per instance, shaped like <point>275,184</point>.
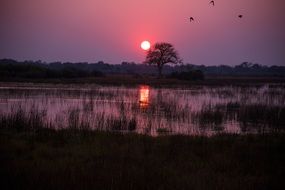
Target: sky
<point>112,30</point>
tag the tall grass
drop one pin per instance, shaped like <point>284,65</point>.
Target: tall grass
<point>21,120</point>
<point>263,116</point>
<point>209,116</point>
<point>55,139</point>
<point>62,159</point>
<point>176,110</point>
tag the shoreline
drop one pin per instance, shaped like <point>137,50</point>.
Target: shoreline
<point>128,80</point>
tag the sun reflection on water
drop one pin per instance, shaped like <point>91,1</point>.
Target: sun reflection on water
<point>144,96</point>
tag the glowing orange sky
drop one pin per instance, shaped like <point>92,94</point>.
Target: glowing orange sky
<point>112,30</point>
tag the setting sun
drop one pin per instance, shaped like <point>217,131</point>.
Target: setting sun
<point>145,45</point>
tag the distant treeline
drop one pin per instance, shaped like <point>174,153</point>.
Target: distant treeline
<point>30,69</point>
<point>37,69</point>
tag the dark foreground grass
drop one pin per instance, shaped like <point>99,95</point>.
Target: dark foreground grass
<point>73,159</point>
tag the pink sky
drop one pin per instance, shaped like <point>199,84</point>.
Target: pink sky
<point>112,30</point>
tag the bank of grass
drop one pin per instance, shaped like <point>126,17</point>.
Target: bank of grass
<point>82,159</point>
<point>133,80</point>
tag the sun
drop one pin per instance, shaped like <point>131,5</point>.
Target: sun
<point>145,45</point>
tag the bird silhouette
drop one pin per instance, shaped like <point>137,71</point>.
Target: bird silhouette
<point>240,16</point>
<point>191,19</point>
<point>212,2</point>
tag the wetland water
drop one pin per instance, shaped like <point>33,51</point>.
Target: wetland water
<point>148,110</point>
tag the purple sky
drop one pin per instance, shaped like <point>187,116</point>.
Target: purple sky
<point>112,30</point>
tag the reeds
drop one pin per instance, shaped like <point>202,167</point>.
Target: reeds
<point>21,120</point>
<point>58,159</point>
<point>259,115</point>
<point>119,109</point>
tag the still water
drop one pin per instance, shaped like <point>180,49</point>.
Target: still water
<point>147,110</point>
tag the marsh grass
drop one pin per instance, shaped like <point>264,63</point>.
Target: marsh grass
<point>83,159</point>
<point>262,116</point>
<point>238,109</point>
<point>163,131</point>
<point>122,124</point>
<point>88,144</point>
<point>21,120</point>
<point>209,116</point>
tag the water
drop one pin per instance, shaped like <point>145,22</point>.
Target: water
<point>143,109</point>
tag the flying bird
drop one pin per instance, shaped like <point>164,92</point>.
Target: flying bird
<point>240,16</point>
<point>212,2</point>
<point>191,19</point>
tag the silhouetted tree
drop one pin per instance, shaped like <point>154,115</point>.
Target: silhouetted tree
<point>161,54</point>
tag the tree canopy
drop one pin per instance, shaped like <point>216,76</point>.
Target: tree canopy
<point>161,54</point>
